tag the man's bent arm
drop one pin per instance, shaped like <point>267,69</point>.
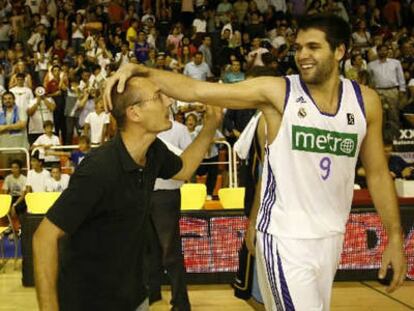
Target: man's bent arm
<point>195,152</point>
<point>253,93</point>
<point>382,190</point>
<point>45,261</point>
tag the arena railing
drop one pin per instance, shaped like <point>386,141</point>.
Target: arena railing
<point>16,150</point>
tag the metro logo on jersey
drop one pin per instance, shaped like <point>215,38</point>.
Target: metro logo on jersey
<point>312,139</point>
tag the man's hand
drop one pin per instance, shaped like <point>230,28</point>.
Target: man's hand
<point>250,238</point>
<point>213,117</point>
<point>121,77</point>
<point>394,256</point>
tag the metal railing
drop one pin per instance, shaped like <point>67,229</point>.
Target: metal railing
<point>19,150</point>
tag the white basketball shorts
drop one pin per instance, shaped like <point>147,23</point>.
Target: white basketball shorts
<point>297,274</point>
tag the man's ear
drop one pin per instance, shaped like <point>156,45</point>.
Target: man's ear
<point>133,113</point>
<point>340,52</point>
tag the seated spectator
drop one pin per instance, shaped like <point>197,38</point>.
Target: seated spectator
<point>234,74</point>
<point>77,156</point>
<point>14,184</point>
<point>141,47</point>
<point>254,58</point>
<point>96,124</point>
<point>37,176</point>
<point>57,182</point>
<point>124,56</point>
<point>46,141</point>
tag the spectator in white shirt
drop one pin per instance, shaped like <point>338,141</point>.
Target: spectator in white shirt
<point>57,181</point>
<point>123,57</point>
<point>22,94</point>
<point>96,124</point>
<point>40,110</point>
<point>45,141</point>
<point>37,176</point>
<point>198,69</point>
<point>254,58</point>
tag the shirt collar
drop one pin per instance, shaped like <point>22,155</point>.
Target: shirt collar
<point>128,164</point>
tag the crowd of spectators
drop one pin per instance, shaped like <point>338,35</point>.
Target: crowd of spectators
<point>55,56</point>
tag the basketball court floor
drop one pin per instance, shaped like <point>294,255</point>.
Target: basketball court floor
<point>347,296</point>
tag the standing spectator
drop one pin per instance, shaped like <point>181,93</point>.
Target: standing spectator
<point>58,50</point>
<point>22,94</point>
<point>37,36</point>
<point>357,65</point>
<point>187,13</point>
<point>132,33</point>
<point>165,246</point>
<point>124,56</point>
<point>45,141</point>
<point>61,26</point>
<point>361,38</point>
<point>55,85</point>
<point>20,68</point>
<point>392,13</point>
<point>40,110</point>
<point>42,59</point>
<point>240,9</point>
<point>175,38</point>
<point>5,33</point>
<point>116,12</point>
<point>387,78</point>
<point>96,124</point>
<point>13,122</point>
<point>198,69</point>
<point>254,58</point>
<point>205,49</point>
<point>57,182</point>
<point>256,27</point>
<point>141,47</point>
<point>78,37</point>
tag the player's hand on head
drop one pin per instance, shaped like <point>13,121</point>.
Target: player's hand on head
<point>121,76</point>
<point>394,257</point>
<point>213,116</point>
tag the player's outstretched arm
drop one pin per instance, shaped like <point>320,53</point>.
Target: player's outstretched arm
<point>252,93</point>
<point>381,187</point>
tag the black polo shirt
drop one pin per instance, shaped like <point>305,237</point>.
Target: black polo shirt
<point>103,212</point>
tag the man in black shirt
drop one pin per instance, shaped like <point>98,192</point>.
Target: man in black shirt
<point>103,212</point>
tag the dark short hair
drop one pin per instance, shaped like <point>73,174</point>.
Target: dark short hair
<point>17,162</point>
<point>336,29</point>
<point>36,155</point>
<point>48,123</point>
<point>120,102</point>
<point>85,139</point>
<point>55,165</point>
<point>7,93</point>
<point>20,76</point>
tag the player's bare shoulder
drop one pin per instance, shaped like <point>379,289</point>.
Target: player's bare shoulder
<point>372,103</point>
<point>274,90</point>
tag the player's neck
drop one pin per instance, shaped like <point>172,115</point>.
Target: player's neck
<point>326,94</point>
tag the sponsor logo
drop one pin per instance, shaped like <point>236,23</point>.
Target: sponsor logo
<point>351,119</point>
<point>300,100</point>
<point>312,139</point>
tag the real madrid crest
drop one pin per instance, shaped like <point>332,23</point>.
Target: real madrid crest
<point>302,112</point>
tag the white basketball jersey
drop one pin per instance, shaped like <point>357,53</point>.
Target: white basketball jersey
<point>308,171</point>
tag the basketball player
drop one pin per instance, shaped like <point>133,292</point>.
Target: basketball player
<point>317,124</point>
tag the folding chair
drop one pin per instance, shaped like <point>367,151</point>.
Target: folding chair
<point>193,196</point>
<point>40,202</point>
<point>232,198</point>
<point>5,203</point>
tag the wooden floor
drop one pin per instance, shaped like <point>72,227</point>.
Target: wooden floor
<point>347,296</point>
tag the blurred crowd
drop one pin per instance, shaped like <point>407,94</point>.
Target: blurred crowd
<point>55,56</point>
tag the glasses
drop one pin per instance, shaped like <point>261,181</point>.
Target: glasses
<point>156,97</point>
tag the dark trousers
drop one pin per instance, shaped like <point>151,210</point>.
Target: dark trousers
<point>165,251</point>
<point>59,117</point>
<point>211,170</point>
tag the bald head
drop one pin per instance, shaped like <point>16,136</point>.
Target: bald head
<point>136,90</point>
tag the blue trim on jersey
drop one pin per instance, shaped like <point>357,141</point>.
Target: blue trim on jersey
<point>306,90</point>
<point>269,261</point>
<point>269,198</point>
<point>283,285</point>
<point>287,92</point>
<point>358,94</point>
